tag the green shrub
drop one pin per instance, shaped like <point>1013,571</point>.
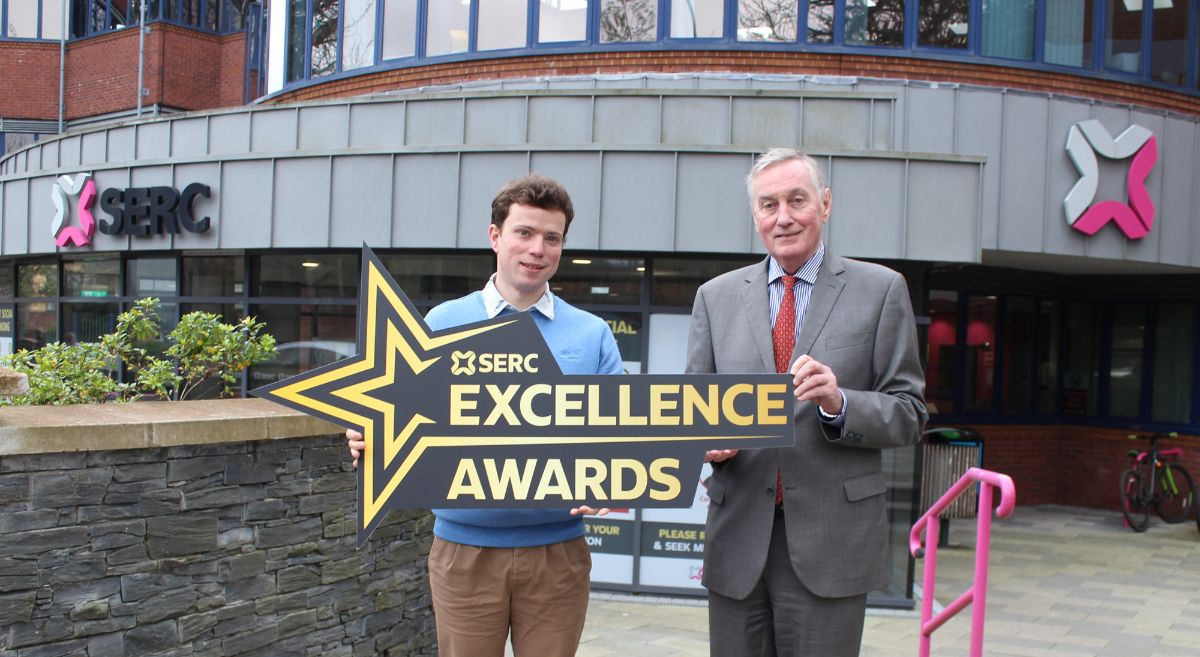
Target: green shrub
<point>203,350</point>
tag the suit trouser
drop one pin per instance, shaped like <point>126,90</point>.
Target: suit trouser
<point>781,617</point>
<point>479,593</point>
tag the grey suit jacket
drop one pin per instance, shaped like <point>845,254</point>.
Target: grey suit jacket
<point>860,323</point>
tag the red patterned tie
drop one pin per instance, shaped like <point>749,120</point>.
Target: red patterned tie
<point>784,339</point>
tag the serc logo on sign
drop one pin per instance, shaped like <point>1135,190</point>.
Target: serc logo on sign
<point>136,211</point>
<point>83,187</point>
<point>1135,218</point>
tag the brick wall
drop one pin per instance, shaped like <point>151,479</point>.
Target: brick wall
<point>183,68</point>
<point>222,550</point>
<point>1069,465</point>
<point>28,80</point>
<point>748,62</point>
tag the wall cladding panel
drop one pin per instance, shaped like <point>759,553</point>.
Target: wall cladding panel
<point>229,133</point>
<point>106,178</point>
<point>301,213</point>
<point>565,120</point>
<point>495,121</point>
<point>434,122</point>
<point>377,125</point>
<point>1061,176</point>
<point>120,144</point>
<point>942,217</point>
<point>425,201</point>
<point>68,151</point>
<point>765,122</point>
<point>695,121</point>
<point>362,196</point>
<point>626,120</point>
<point>246,199</point>
<point>93,148</point>
<point>1023,173</point>
<point>16,217</point>
<point>836,123</point>
<point>324,127</point>
<point>189,138</point>
<point>273,131</point>
<point>637,206</point>
<point>711,206</point>
<point>1175,211</point>
<point>1147,249</point>
<point>977,122</point>
<point>154,140</point>
<point>207,173</point>
<point>150,177</point>
<point>867,225</point>
<point>1109,242</point>
<point>40,210</point>
<point>930,124</point>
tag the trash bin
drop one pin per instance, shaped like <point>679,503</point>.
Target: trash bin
<point>946,454</point>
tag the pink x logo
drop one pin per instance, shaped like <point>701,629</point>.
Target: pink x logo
<point>1135,218</point>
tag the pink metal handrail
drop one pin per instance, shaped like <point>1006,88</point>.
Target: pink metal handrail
<point>977,592</point>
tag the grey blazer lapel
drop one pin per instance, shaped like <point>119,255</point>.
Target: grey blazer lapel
<point>825,294</point>
<point>756,307</point>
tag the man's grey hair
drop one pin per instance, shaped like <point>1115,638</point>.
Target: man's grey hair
<point>779,155</point>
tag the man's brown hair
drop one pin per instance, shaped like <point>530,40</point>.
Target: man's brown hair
<point>535,191</point>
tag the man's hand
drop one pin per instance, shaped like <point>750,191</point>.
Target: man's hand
<point>816,383</point>
<point>354,440</point>
<point>589,511</point>
<point>719,455</point>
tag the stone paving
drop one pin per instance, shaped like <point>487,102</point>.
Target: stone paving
<point>1063,581</point>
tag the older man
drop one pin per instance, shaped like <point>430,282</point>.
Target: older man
<point>797,536</point>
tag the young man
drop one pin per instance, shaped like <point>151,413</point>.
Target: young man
<point>525,571</point>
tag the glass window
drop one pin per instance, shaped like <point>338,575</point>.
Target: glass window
<point>1047,356</point>
<point>1174,355</point>
<point>306,337</point>
<point>151,277</point>
<point>296,40</point>
<point>37,324</point>
<point>1123,36</point>
<point>627,329</point>
<point>820,21</point>
<point>589,279</point>
<point>766,20</point>
<point>6,281</point>
<point>399,28</point>
<point>501,24</point>
<point>562,20</point>
<point>1168,46</point>
<point>98,277</point>
<point>212,276</point>
<point>230,313</point>
<point>943,23</point>
<point>697,18</point>
<point>1069,32</point>
<point>1008,28</point>
<point>1019,346</point>
<point>22,20</point>
<point>38,280</point>
<point>86,322</point>
<point>438,278</point>
<point>324,37</point>
<point>628,20</point>
<point>307,276</point>
<point>212,14</point>
<point>1081,376</point>
<point>941,362</point>
<point>52,19</point>
<point>676,279</point>
<point>447,22</point>
<point>980,374</point>
<point>358,34</point>
<point>1125,368</point>
<point>875,22</point>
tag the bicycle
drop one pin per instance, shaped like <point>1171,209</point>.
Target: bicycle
<point>1152,481</point>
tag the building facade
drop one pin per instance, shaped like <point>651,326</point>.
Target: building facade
<point>1028,166</point>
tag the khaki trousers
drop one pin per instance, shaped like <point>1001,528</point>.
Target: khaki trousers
<point>480,594</point>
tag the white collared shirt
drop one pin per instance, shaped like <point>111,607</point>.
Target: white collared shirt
<point>494,304</point>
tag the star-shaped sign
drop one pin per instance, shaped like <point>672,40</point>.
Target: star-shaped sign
<point>481,416</point>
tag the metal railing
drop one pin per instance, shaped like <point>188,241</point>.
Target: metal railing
<point>976,593</point>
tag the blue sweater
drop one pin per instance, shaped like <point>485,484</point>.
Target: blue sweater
<point>582,344</point>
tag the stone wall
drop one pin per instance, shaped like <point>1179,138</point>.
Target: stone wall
<point>216,548</point>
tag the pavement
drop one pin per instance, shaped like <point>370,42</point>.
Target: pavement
<point>1062,581</point>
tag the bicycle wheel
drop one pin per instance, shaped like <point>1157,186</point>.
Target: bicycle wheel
<point>1137,513</point>
<point>1176,496</point>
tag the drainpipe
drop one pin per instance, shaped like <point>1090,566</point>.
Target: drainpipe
<point>62,68</point>
<point>141,54</point>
